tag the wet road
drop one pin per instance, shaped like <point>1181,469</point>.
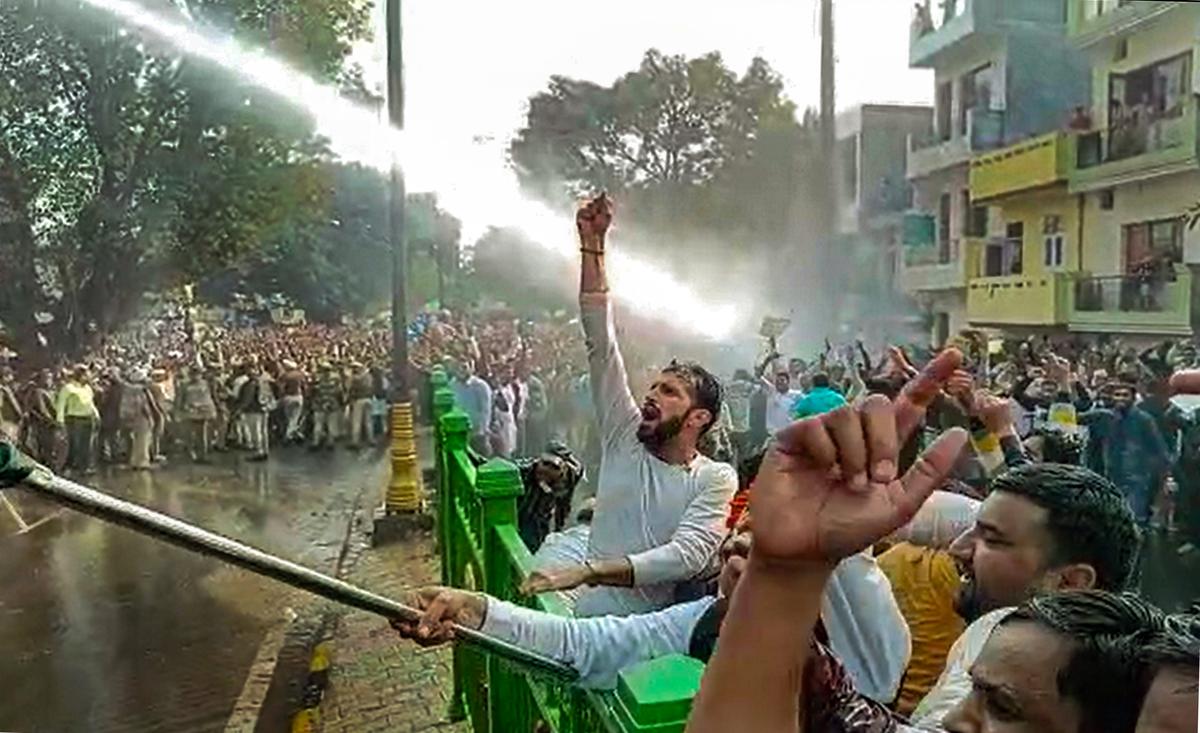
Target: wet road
<point>1171,581</point>
<point>106,630</point>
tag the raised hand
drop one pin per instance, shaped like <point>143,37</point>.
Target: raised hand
<point>593,220</point>
<point>1058,370</point>
<point>560,578</point>
<point>829,487</point>
<point>961,386</point>
<point>899,362</point>
<point>995,412</point>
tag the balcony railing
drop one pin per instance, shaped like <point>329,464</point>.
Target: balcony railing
<point>1018,300</point>
<point>936,30</point>
<point>1133,303</point>
<point>929,153</point>
<point>1133,136</point>
<point>1121,293</point>
<point>1030,164</point>
<point>1091,21</point>
<point>1136,148</point>
<point>945,267</point>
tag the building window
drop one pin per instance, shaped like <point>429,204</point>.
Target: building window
<point>975,218</point>
<point>1151,243</point>
<point>943,232</point>
<point>1003,256</point>
<point>975,91</point>
<point>1146,107</point>
<point>943,102</point>
<point>1053,243</point>
<point>1093,9</point>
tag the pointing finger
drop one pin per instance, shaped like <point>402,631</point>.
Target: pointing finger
<point>920,391</point>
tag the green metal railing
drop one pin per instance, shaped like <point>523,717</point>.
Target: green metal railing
<point>480,549</point>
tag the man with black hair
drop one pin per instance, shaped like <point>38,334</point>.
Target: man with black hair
<point>820,399</point>
<point>1170,658</point>
<point>660,504</point>
<point>829,488</point>
<point>1132,450</point>
<point>1061,663</point>
<point>1044,527</point>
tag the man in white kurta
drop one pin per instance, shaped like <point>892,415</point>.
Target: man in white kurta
<point>660,505</point>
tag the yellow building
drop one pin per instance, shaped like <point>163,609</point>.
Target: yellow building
<point>1086,232</point>
<point>1026,264</point>
<point>1003,72</point>
<point>1137,168</point>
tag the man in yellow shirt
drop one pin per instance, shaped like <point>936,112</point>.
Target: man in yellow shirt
<point>76,410</point>
<point>925,582</point>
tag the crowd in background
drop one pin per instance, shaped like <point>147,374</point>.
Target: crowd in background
<point>1100,403</point>
<point>168,388</point>
<point>144,395</point>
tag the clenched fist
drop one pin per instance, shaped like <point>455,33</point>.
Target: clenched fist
<point>593,220</point>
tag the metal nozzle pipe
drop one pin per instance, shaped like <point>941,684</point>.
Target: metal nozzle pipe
<point>17,469</point>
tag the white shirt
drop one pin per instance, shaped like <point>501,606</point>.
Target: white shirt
<point>954,685</point>
<point>941,519</point>
<point>866,632</point>
<point>667,520</point>
<point>779,408</point>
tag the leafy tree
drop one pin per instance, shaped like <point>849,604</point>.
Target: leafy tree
<point>673,121</point>
<point>342,264</point>
<point>125,169</point>
<point>700,160</point>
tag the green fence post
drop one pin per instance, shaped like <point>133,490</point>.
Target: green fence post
<point>498,484</point>
<point>437,380</point>
<point>443,405</point>
<point>452,429</point>
<point>656,696</point>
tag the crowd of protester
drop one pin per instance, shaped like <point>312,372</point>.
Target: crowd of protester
<point>945,540</point>
<point>170,390</point>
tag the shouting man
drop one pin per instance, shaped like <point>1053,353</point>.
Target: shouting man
<point>660,504</point>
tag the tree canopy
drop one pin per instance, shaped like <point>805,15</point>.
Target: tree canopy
<point>707,166</point>
<point>125,168</point>
<point>342,264</point>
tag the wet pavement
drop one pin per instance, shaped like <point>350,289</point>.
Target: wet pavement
<point>106,630</point>
<point>1168,579</point>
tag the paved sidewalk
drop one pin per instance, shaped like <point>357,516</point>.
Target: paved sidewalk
<point>377,682</point>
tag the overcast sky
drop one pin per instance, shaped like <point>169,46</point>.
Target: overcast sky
<point>472,64</point>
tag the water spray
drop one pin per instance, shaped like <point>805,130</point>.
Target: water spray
<point>17,469</point>
<point>475,189</point>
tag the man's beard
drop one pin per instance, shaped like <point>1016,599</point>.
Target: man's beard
<point>656,436</point>
<point>971,602</point>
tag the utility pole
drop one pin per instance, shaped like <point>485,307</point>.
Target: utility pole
<point>827,224</point>
<point>403,502</point>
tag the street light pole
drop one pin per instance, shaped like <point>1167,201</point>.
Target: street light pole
<point>403,500</point>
